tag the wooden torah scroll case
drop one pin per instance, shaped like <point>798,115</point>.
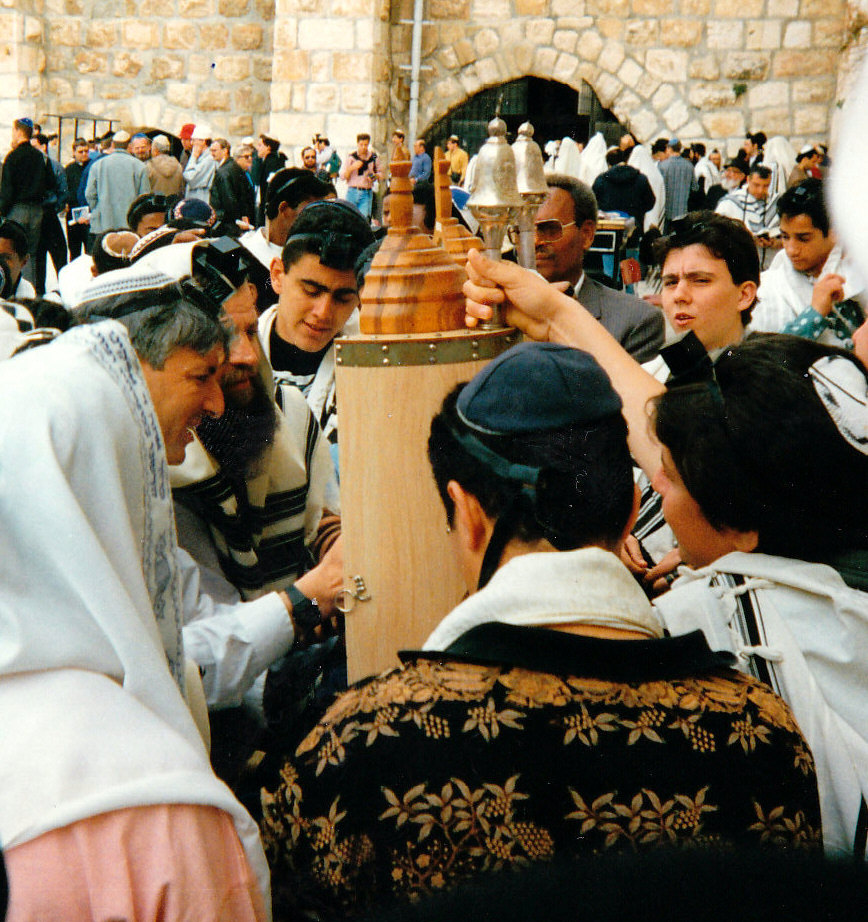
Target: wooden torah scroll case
<point>398,557</point>
<point>400,572</point>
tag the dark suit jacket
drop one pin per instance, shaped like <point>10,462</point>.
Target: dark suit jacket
<point>637,325</point>
<point>232,197</point>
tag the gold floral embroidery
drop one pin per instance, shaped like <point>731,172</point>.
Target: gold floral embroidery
<point>584,727</point>
<point>451,681</point>
<point>432,725</point>
<point>331,751</point>
<point>487,720</point>
<point>713,693</point>
<point>644,820</point>
<point>433,835</point>
<point>744,731</point>
<point>700,738</point>
<point>462,830</point>
<point>380,725</point>
<point>644,726</point>
<point>776,828</point>
<point>804,759</point>
<point>535,689</point>
<point>772,709</point>
<point>400,809</point>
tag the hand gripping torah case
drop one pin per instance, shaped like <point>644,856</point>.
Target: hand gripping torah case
<point>400,572</point>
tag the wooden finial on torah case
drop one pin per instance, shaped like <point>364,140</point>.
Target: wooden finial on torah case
<point>412,286</point>
<point>451,234</point>
<point>400,572</point>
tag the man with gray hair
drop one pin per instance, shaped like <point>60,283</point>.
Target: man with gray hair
<point>112,183</point>
<point>232,196</point>
<point>249,490</point>
<point>164,170</point>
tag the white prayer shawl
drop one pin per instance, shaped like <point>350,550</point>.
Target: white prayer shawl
<point>780,157</point>
<point>91,659</point>
<point>569,158</point>
<point>586,586</point>
<point>758,216</point>
<point>813,642</point>
<point>11,336</point>
<point>290,463</point>
<point>73,278</point>
<point>592,160</point>
<point>705,170</point>
<point>320,393</point>
<point>641,159</point>
<point>260,246</point>
<point>848,182</point>
<point>784,293</point>
<point>174,260</point>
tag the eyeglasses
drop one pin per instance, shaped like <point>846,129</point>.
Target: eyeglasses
<point>548,231</point>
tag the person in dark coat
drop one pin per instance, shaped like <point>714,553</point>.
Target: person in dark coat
<point>273,159</point>
<point>76,232</point>
<point>623,188</point>
<point>232,194</point>
<point>27,180</point>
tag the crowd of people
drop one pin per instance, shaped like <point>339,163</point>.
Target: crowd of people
<point>657,505</point>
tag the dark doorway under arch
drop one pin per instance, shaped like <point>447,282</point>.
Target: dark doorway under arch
<point>554,109</point>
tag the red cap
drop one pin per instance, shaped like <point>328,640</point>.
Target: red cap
<point>186,131</point>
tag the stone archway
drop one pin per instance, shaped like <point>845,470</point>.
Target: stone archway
<point>554,109</point>
<point>647,97</point>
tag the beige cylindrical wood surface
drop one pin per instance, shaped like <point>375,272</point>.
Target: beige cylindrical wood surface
<point>400,572</point>
<point>394,525</point>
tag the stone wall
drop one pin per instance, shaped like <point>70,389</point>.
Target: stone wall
<point>698,69</point>
<point>331,71</point>
<point>22,57</point>
<point>159,62</point>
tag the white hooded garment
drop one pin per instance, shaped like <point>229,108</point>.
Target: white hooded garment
<point>91,658</point>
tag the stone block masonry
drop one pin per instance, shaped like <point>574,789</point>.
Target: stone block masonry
<point>705,69</point>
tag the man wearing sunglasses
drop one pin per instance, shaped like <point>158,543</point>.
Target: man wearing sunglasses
<point>565,228</point>
<point>318,293</point>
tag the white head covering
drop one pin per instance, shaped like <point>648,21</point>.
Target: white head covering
<point>780,156</point>
<point>641,159</point>
<point>91,659</point>
<point>568,159</point>
<point>11,336</point>
<point>848,180</point>
<point>592,160</point>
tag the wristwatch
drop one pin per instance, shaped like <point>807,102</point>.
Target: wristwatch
<point>305,613</point>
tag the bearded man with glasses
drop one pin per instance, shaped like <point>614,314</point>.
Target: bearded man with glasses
<point>565,228</point>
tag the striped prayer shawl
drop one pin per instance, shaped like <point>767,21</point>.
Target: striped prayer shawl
<point>261,527</point>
